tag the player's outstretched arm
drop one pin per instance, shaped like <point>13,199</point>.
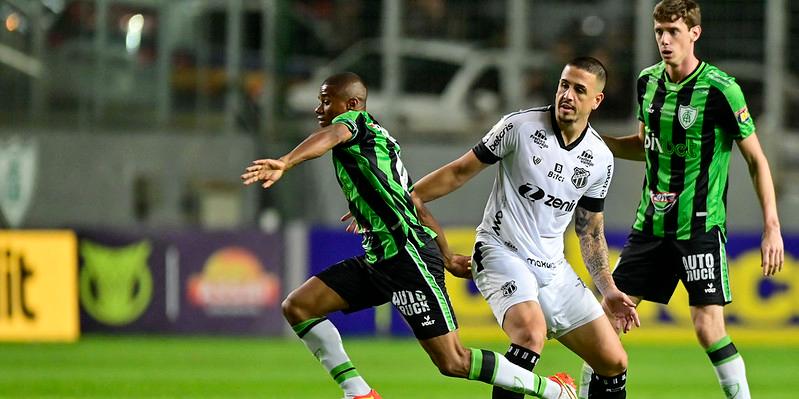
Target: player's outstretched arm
<point>449,177</point>
<point>458,265</point>
<point>771,247</point>
<point>594,249</point>
<point>628,147</point>
<point>269,171</point>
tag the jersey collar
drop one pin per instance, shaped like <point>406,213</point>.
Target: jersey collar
<point>672,86</point>
<point>559,134</point>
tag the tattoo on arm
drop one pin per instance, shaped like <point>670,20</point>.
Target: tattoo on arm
<point>593,247</point>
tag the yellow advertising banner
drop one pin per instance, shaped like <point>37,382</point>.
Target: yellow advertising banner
<point>764,310</point>
<point>38,286</point>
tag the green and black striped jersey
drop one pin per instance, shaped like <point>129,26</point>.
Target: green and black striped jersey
<point>377,188</point>
<point>690,128</point>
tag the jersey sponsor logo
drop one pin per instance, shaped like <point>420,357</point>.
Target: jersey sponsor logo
<point>663,202</point>
<point>537,160</point>
<point>742,115</point>
<point>497,222</point>
<point>700,267</point>
<point>557,203</point>
<point>710,289</point>
<point>540,263</point>
<point>531,192</point>
<point>428,321</point>
<point>587,158</point>
<point>508,288</point>
<point>410,303</point>
<point>540,138</point>
<point>535,193</point>
<point>684,150</point>
<point>687,114</point>
<point>499,136</point>
<point>606,183</point>
<point>555,173</point>
<point>580,177</point>
<point>511,246</point>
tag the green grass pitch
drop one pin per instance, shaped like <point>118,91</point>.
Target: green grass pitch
<point>191,367</point>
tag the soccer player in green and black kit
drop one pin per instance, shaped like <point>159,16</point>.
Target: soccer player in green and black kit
<point>690,113</point>
<point>403,248</point>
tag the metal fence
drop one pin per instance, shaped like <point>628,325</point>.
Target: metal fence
<point>438,70</point>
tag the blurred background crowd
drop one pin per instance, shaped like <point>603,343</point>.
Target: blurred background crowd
<point>142,113</point>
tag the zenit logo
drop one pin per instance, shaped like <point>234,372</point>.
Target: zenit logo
<point>535,193</point>
<point>531,192</point>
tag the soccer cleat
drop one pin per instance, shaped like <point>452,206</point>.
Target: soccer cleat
<point>567,387</point>
<point>371,395</point>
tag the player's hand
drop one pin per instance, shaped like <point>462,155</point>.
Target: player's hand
<point>267,170</point>
<point>459,265</point>
<point>620,310</point>
<point>772,252</point>
<point>353,226</point>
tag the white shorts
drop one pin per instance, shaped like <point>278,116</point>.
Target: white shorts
<point>505,280</point>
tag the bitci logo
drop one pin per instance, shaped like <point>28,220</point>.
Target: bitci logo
<point>555,173</point>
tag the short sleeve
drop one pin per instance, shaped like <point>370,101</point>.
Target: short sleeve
<point>735,118</point>
<point>643,80</point>
<point>498,142</point>
<point>349,119</point>
<point>593,198</point>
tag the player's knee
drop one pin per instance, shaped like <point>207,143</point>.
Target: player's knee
<point>530,338</point>
<point>617,365</point>
<point>708,330</point>
<point>292,308</point>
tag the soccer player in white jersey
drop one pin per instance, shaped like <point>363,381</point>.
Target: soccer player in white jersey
<point>552,165</point>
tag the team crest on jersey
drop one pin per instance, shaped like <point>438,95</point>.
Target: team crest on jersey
<point>580,177</point>
<point>687,114</point>
<point>508,288</point>
<point>663,202</point>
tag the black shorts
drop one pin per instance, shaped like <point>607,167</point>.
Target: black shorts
<point>649,267</point>
<point>413,282</point>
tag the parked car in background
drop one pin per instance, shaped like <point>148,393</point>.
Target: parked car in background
<point>446,87</point>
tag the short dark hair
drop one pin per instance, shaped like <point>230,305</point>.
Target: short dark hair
<point>672,10</point>
<point>591,65</point>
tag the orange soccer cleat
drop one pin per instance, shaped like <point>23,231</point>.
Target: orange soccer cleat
<point>371,395</point>
<point>567,387</point>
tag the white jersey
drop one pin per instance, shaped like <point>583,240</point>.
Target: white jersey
<point>539,183</point>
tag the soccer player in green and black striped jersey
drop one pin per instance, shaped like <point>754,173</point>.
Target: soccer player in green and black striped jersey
<point>402,261</point>
<point>690,114</point>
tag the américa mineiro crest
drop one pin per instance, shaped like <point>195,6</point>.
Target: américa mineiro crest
<point>18,163</point>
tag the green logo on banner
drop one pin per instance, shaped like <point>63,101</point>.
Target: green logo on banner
<point>18,162</point>
<point>115,284</point>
